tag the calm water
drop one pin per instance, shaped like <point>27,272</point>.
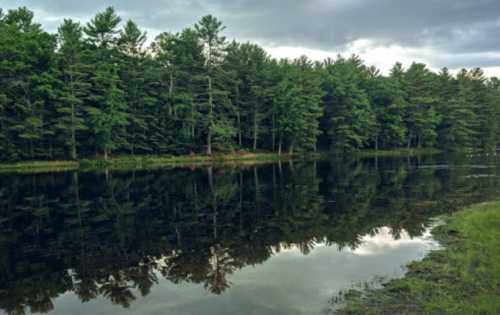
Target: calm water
<point>274,239</point>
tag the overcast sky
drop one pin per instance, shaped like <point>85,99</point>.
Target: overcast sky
<point>441,33</point>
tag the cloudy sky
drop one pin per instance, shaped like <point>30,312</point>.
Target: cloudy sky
<point>441,33</point>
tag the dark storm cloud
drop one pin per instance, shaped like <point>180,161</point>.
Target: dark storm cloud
<point>449,26</point>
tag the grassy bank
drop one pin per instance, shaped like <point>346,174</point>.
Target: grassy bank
<point>462,278</point>
<point>402,152</point>
<point>145,162</point>
<point>39,166</point>
<point>156,161</point>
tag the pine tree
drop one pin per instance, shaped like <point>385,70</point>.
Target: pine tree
<point>217,123</point>
<point>181,77</point>
<point>107,119</point>
<point>422,117</point>
<point>459,120</point>
<point>132,77</point>
<point>493,117</point>
<point>107,111</point>
<point>387,99</point>
<point>99,89</point>
<point>298,106</point>
<point>74,85</point>
<point>350,121</point>
<point>486,110</point>
<point>246,63</point>
<point>27,55</point>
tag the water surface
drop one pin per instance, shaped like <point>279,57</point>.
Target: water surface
<point>274,239</point>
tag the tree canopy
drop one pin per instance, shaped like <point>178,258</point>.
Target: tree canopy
<point>99,88</point>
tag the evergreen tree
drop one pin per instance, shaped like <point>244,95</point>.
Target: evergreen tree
<point>26,54</point>
<point>99,89</point>
<point>387,99</point>
<point>74,84</point>
<point>459,120</point>
<point>246,64</point>
<point>298,106</point>
<point>133,78</point>
<point>350,121</point>
<point>107,119</point>
<point>182,79</point>
<point>493,117</point>
<point>422,117</point>
<point>217,124</point>
<point>486,109</point>
<point>108,110</point>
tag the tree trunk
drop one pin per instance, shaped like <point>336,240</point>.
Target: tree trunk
<point>280,145</point>
<point>292,147</point>
<point>210,117</point>
<point>170,92</point>
<point>238,119</point>
<point>273,133</point>
<point>73,122</point>
<point>192,121</point>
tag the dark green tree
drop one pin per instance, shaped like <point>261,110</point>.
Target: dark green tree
<point>422,117</point>
<point>349,117</point>
<point>217,125</point>
<point>74,76</point>
<point>108,110</point>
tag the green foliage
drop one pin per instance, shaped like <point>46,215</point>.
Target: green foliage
<point>463,278</point>
<point>298,106</point>
<point>107,118</point>
<point>73,85</point>
<point>97,88</point>
<point>422,117</point>
<point>350,120</point>
<point>102,29</point>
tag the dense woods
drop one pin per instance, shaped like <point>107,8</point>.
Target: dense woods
<point>102,88</point>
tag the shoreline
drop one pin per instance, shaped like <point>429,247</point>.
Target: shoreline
<point>461,278</point>
<point>155,161</point>
<point>145,162</point>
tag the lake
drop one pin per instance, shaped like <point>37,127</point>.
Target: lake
<point>283,238</point>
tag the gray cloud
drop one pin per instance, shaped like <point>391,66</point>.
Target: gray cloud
<point>462,29</point>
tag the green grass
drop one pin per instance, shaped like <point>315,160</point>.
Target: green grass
<point>146,162</point>
<point>402,152</point>
<point>39,166</point>
<point>156,161</point>
<point>462,278</point>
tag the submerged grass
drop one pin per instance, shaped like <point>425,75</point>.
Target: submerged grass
<point>462,278</point>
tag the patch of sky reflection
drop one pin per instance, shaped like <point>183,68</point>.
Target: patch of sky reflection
<point>288,283</point>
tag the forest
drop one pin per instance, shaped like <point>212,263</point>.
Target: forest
<point>103,88</point>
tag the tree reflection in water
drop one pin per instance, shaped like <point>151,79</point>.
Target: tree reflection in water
<point>114,235</point>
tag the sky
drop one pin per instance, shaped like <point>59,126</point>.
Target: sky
<point>440,33</point>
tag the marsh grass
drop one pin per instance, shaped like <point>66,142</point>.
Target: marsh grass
<point>462,278</point>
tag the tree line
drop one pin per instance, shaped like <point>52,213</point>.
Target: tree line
<point>101,88</point>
